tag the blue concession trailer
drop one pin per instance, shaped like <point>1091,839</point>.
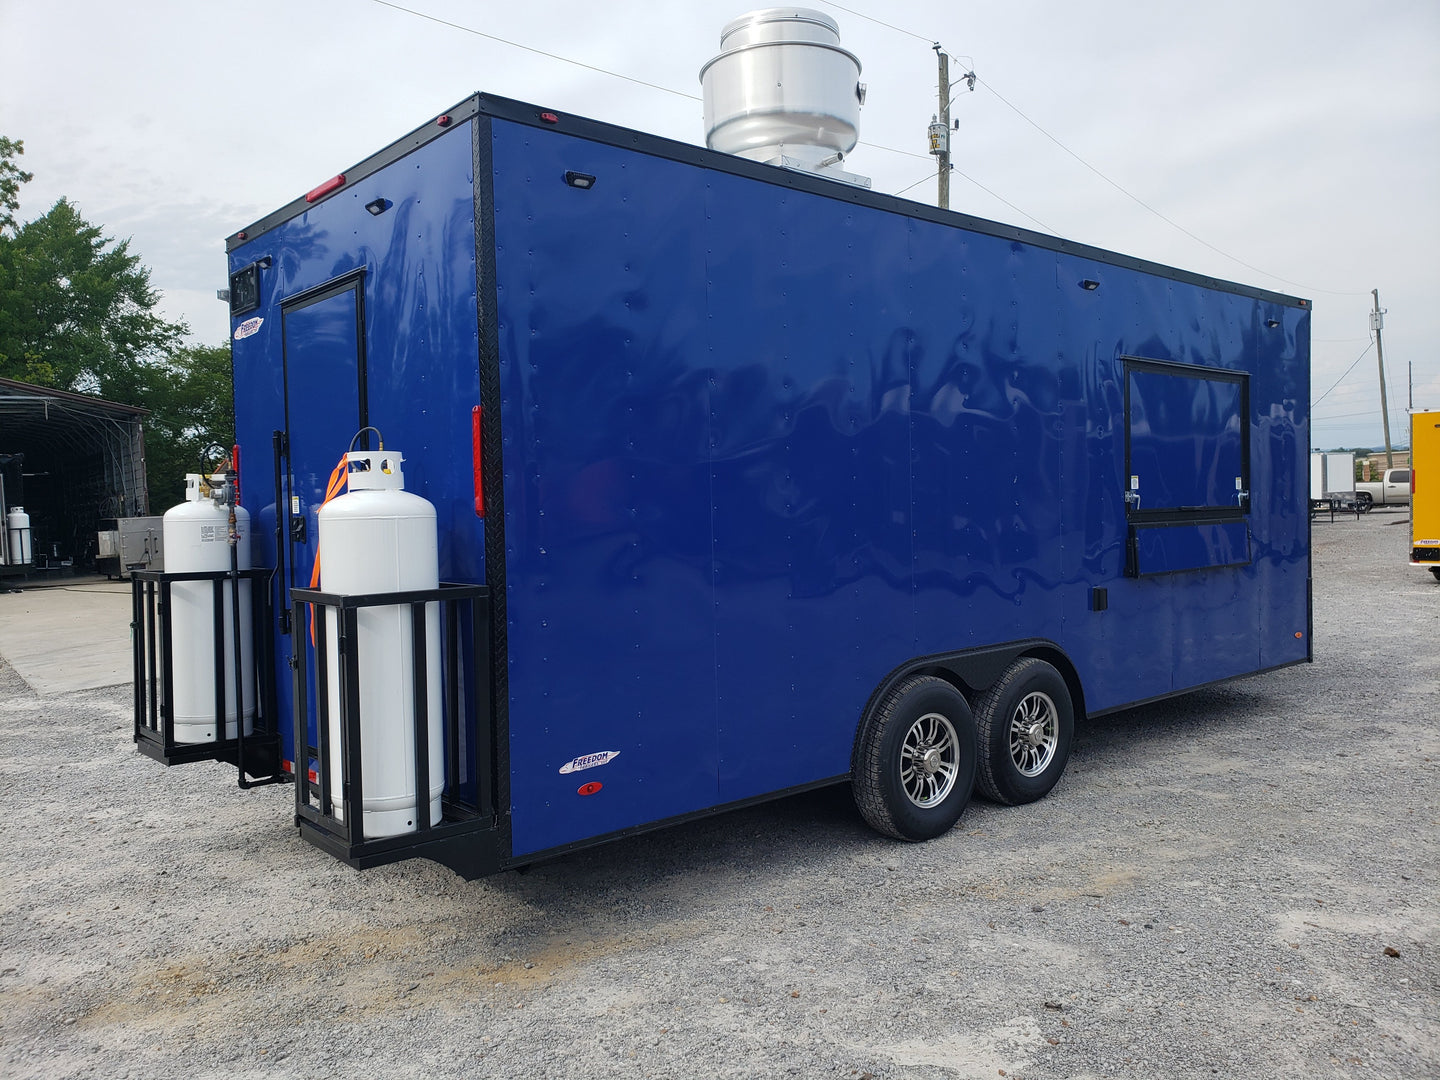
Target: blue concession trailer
<point>771,482</point>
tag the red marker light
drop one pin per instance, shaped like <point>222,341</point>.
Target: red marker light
<point>443,121</point>
<point>477,458</point>
<point>589,789</point>
<point>325,188</point>
<point>235,471</point>
<point>549,118</point>
<point>241,235</point>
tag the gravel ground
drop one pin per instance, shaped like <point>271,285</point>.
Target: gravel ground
<point>1216,887</point>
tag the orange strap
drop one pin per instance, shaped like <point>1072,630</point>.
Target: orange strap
<point>339,476</point>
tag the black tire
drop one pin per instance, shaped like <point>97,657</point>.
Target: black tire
<point>1014,768</point>
<point>1436,571</point>
<point>1364,501</point>
<point>924,714</point>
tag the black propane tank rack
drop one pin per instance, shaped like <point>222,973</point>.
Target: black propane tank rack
<point>256,756</point>
<point>466,838</point>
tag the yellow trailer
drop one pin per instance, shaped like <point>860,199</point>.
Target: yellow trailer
<point>1425,491</point>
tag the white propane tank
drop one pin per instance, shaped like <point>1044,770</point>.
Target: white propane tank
<point>379,538</point>
<point>197,538</point>
<point>17,526</point>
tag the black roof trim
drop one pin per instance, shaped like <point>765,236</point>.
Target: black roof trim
<point>524,113</point>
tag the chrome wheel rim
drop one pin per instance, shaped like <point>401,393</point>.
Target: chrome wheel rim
<point>929,760</point>
<point>1034,733</point>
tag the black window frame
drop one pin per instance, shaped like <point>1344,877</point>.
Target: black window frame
<point>246,275</point>
<point>1241,509</point>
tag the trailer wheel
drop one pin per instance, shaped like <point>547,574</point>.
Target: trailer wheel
<point>1363,501</point>
<point>914,761</point>
<point>1436,571</point>
<point>1025,723</point>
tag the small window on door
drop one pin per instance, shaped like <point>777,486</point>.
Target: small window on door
<point>1187,450</point>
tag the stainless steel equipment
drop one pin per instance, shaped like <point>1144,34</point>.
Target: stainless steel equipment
<point>125,544</point>
<point>784,92</point>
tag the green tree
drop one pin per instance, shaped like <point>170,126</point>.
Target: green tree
<point>11,177</point>
<point>77,310</point>
<point>190,398</point>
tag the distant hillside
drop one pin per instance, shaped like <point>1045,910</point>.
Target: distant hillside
<point>1363,451</point>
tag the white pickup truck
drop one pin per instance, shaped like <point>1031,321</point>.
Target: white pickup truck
<point>1392,489</point>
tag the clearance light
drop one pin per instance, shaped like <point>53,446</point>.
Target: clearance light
<point>589,789</point>
<point>443,121</point>
<point>325,188</point>
<point>1089,285</point>
<point>477,457</point>
<point>549,118</point>
<point>580,180</point>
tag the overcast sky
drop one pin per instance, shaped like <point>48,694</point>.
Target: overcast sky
<point>1300,138</point>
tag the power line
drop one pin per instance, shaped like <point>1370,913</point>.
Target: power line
<point>993,194</point>
<point>1338,381</point>
<point>894,150</point>
<point>1347,415</point>
<point>1124,191</point>
<point>908,33</point>
<point>907,187</point>
<point>880,22</point>
<point>1168,220</point>
<point>531,49</point>
<point>692,97</point>
<point>1002,198</point>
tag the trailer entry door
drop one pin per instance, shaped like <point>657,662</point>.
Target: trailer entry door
<point>325,406</point>
<point>323,343</point>
<point>1187,467</point>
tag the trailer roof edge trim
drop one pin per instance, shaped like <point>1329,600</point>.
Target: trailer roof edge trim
<point>520,112</point>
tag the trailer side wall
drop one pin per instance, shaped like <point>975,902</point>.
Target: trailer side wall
<point>763,446</point>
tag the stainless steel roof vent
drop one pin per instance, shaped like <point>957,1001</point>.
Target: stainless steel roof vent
<point>784,92</point>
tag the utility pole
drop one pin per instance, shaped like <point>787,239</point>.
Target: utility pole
<point>940,130</point>
<point>1377,321</point>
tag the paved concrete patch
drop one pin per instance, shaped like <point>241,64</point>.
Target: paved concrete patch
<point>64,638</point>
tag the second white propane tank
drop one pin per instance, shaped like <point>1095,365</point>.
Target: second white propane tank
<point>379,538</point>
<point>17,526</point>
<point>197,538</point>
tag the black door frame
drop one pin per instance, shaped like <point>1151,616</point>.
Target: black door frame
<point>353,280</point>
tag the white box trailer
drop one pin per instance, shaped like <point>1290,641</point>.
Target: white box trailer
<point>1332,481</point>
<point>1332,474</point>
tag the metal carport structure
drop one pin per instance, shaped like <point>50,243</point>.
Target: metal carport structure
<point>80,459</point>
